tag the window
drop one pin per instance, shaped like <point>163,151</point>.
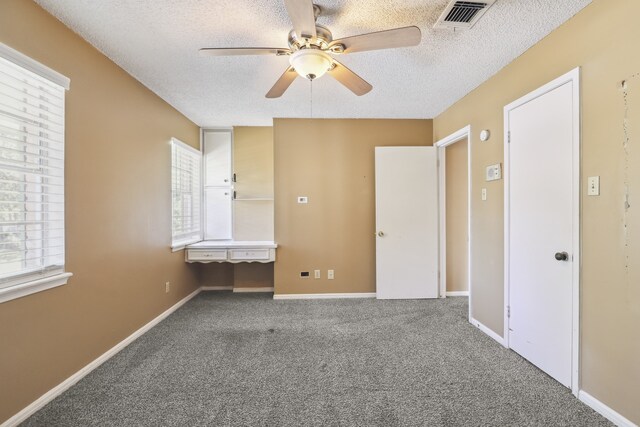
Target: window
<point>186,189</point>
<point>32,123</point>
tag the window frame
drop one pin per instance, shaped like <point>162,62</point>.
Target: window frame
<point>26,282</point>
<point>179,242</point>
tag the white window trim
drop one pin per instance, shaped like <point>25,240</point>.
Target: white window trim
<point>40,284</point>
<point>34,66</point>
<point>182,244</point>
<point>33,286</point>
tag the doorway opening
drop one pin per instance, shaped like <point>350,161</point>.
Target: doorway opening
<point>454,159</point>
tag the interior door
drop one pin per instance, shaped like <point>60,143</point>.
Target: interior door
<point>541,230</point>
<point>406,222</point>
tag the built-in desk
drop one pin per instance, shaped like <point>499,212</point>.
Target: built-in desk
<point>233,251</point>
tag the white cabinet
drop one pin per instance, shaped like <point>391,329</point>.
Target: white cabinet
<point>238,213</point>
<point>217,154</point>
<point>218,213</point>
<point>218,184</point>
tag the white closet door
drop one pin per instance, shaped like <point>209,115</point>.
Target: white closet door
<point>218,209</point>
<point>540,230</point>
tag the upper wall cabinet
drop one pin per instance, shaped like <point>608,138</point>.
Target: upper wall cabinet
<point>218,186</point>
<point>217,149</point>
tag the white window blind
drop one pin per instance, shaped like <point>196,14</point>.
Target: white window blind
<point>186,194</point>
<point>32,121</point>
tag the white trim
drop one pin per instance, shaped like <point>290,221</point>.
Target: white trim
<point>604,410</point>
<point>457,136</point>
<point>216,288</point>
<point>457,293</point>
<point>66,384</point>
<point>489,332</point>
<point>34,66</point>
<point>27,288</point>
<point>572,76</point>
<point>252,290</point>
<point>325,296</point>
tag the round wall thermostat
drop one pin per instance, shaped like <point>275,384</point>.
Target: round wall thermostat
<point>484,135</point>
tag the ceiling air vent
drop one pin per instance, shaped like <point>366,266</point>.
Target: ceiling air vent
<point>462,14</point>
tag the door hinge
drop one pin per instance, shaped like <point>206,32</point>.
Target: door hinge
<point>509,312</point>
<point>508,137</point>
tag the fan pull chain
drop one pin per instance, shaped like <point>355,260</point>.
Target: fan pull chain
<point>311,99</point>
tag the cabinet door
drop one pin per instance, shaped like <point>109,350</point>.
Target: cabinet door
<point>218,213</point>
<point>217,158</point>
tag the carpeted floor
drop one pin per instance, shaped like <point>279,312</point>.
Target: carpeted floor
<point>228,359</point>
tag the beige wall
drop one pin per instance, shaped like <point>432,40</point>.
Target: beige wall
<point>117,215</point>
<point>603,41</point>
<point>456,181</point>
<point>331,162</point>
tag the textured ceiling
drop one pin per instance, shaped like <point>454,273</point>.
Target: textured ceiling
<point>157,42</point>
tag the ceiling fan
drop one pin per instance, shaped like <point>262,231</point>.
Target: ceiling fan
<point>311,46</point>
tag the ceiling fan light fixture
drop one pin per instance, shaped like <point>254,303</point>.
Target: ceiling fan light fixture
<point>311,63</point>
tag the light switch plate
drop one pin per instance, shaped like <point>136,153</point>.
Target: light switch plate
<point>303,199</point>
<point>593,186</point>
<point>484,194</point>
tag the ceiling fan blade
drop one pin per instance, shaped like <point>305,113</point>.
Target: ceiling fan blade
<point>398,37</point>
<point>351,80</point>
<point>240,51</point>
<point>302,16</point>
<point>283,83</point>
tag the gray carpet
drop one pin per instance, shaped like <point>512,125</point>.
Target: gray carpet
<point>244,359</point>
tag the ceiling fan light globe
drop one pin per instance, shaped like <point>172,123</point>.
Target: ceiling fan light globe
<point>311,63</point>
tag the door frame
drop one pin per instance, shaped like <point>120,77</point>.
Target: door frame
<point>460,135</point>
<point>574,77</point>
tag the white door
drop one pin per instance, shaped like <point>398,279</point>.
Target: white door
<point>541,228</point>
<point>406,222</point>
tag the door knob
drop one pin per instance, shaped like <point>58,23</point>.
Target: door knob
<point>562,256</point>
<point>380,233</point>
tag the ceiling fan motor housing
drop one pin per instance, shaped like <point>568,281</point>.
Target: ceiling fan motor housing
<point>321,40</point>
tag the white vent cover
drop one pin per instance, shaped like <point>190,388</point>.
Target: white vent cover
<point>462,14</point>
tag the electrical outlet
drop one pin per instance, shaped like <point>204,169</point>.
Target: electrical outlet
<point>316,274</point>
<point>330,274</point>
<point>167,287</point>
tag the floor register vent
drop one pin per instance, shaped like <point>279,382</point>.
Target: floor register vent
<point>462,14</point>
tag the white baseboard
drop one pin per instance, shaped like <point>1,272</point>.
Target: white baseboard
<point>217,288</point>
<point>249,290</point>
<point>489,332</point>
<point>604,410</point>
<point>66,384</point>
<point>457,293</point>
<point>325,296</point>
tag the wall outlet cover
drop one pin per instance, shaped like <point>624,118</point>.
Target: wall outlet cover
<point>303,200</point>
